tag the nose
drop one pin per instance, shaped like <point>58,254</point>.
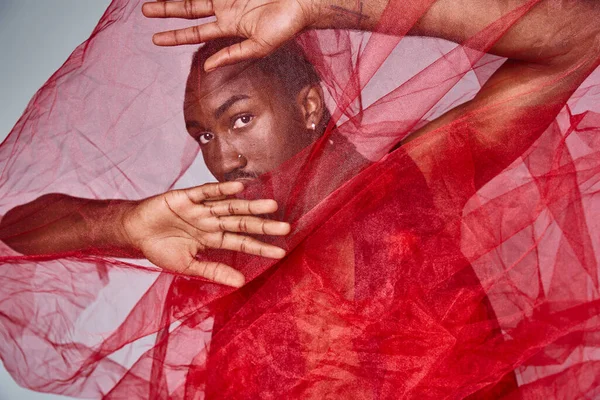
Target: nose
<point>227,159</point>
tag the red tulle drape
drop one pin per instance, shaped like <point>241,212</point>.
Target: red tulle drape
<point>392,286</point>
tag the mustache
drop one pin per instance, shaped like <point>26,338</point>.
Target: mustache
<point>240,174</point>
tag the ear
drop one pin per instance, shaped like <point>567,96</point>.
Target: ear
<point>312,105</point>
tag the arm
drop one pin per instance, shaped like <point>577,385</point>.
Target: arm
<point>547,61</point>
<point>547,58</point>
<point>168,229</point>
<point>57,224</point>
<point>513,108</point>
<point>544,31</point>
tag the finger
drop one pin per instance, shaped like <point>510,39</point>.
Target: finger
<point>241,207</point>
<point>178,9</point>
<point>248,49</point>
<point>216,272</point>
<point>213,191</point>
<point>248,245</point>
<point>192,35</point>
<point>253,225</point>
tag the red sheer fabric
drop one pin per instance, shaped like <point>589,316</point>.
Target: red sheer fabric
<point>392,286</point>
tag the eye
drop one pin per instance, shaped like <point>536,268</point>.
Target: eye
<point>242,121</point>
<point>205,137</point>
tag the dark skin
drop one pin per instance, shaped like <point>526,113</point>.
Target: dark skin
<point>168,229</point>
<point>234,108</point>
<point>240,110</point>
<point>547,61</point>
<point>171,228</point>
<point>547,58</point>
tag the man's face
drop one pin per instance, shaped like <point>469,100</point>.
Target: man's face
<point>239,110</point>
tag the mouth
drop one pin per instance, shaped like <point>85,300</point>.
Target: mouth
<point>240,176</point>
<point>245,180</point>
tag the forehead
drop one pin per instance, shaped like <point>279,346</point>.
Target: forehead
<point>210,90</point>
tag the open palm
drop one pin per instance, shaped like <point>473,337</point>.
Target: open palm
<point>266,24</point>
<point>172,228</point>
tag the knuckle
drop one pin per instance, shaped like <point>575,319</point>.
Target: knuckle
<point>179,36</point>
<point>188,8</point>
<point>197,33</point>
<point>217,188</point>
<point>205,191</point>
<point>263,224</point>
<point>244,245</point>
<point>221,240</point>
<point>222,225</point>
<point>218,270</point>
<point>202,269</point>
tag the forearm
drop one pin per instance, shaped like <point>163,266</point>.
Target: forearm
<point>511,111</point>
<point>58,224</point>
<point>552,47</point>
<point>546,30</point>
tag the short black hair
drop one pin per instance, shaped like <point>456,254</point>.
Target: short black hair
<point>288,63</point>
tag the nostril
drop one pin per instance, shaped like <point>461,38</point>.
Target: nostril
<point>243,161</point>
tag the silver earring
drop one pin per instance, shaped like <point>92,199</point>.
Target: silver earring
<point>313,126</point>
<point>240,156</point>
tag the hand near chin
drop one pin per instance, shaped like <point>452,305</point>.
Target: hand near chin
<point>172,228</point>
<point>266,24</point>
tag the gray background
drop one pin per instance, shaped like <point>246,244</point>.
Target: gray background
<point>36,37</point>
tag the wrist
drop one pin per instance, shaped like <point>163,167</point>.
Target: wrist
<point>345,14</point>
<point>124,216</point>
<point>108,226</point>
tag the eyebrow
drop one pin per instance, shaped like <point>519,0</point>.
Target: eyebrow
<point>191,125</point>
<point>231,101</point>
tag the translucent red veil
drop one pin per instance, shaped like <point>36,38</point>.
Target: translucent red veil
<point>391,287</point>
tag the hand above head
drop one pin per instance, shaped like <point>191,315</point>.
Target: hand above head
<point>172,228</point>
<point>265,24</point>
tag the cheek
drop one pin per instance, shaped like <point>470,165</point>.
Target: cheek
<point>291,132</point>
<point>276,135</point>
<point>210,162</point>
<point>267,143</point>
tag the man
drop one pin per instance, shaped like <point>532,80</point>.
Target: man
<point>547,61</point>
<point>539,25</point>
<point>510,86</point>
<point>234,118</point>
